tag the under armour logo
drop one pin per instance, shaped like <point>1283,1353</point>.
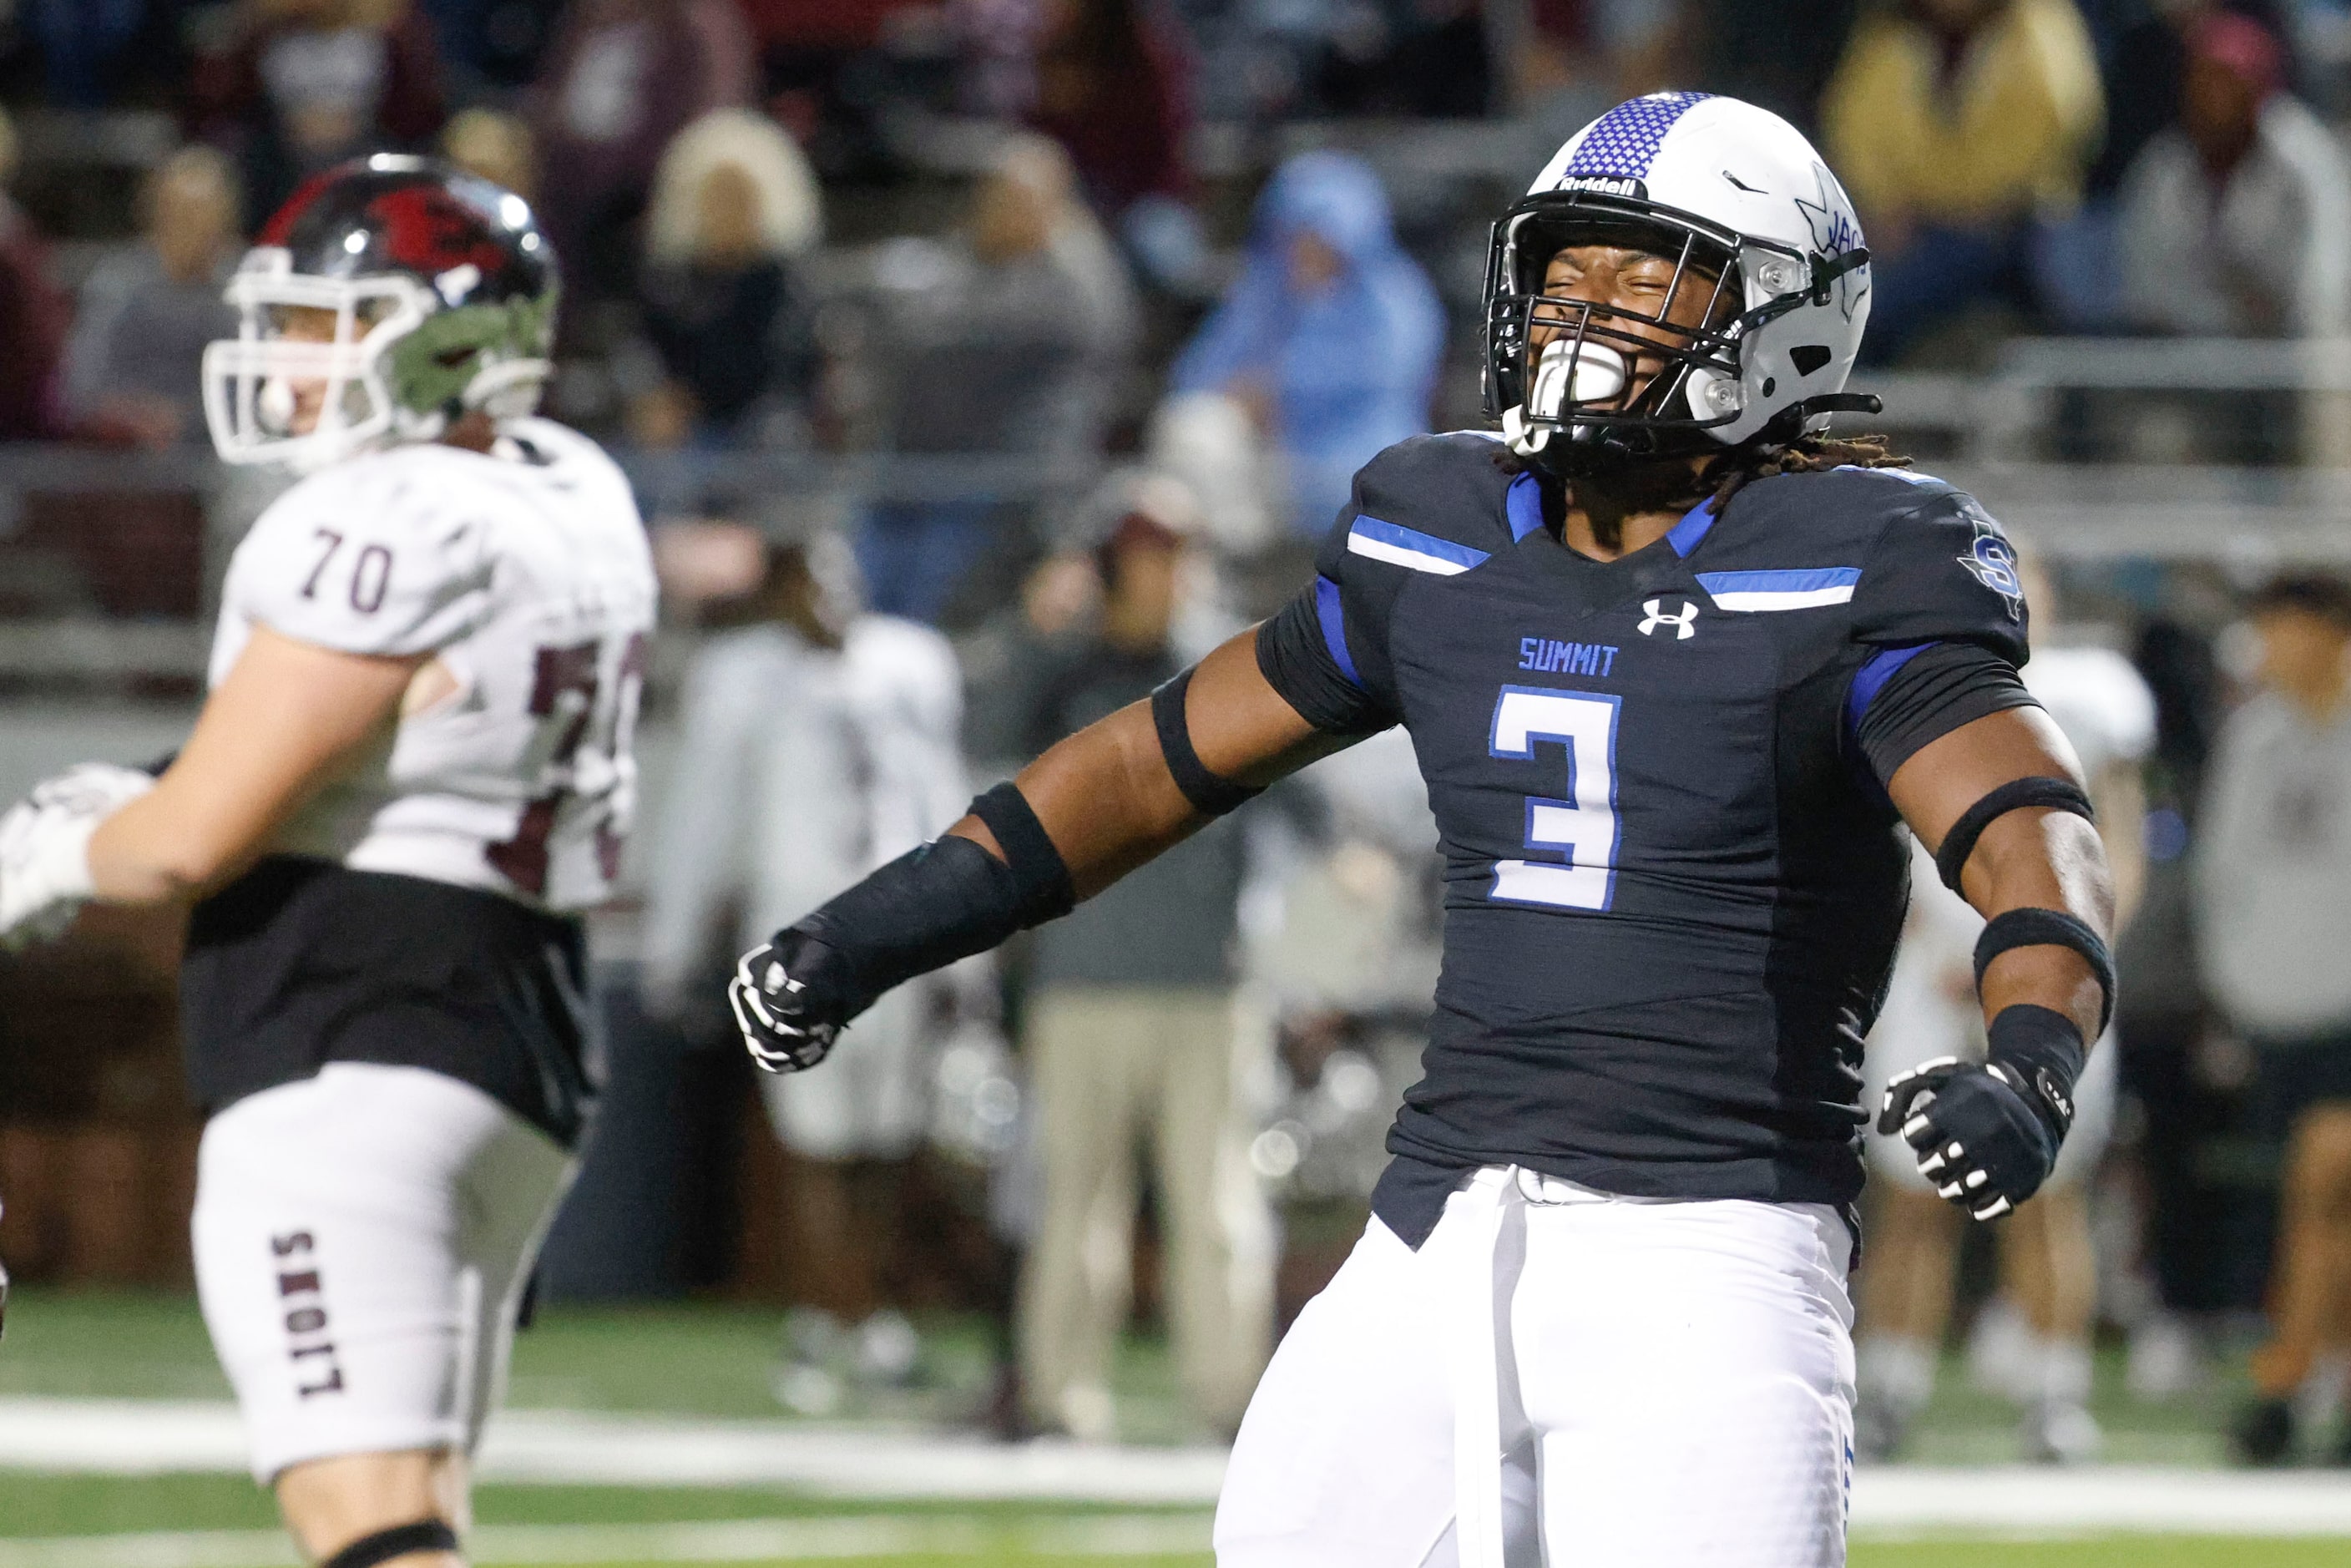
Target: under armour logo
<point>1680,620</point>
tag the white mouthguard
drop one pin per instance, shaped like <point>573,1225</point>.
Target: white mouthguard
<point>1566,373</point>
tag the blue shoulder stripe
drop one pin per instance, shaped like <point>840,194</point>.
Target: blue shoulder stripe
<point>1328,612</point>
<point>1684,536</point>
<point>1522,503</point>
<point>1870,680</point>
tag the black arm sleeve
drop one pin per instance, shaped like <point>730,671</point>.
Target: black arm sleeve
<point>936,903</point>
<point>1933,693</point>
<point>1295,655</point>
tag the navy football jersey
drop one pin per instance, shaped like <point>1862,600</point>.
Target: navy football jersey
<point>1673,883</point>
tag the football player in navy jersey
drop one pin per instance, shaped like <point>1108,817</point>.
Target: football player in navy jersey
<point>1682,675</point>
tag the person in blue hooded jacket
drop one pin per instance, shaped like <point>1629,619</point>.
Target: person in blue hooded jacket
<point>1331,337</point>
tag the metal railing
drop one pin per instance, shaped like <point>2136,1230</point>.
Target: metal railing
<point>1998,416</point>
<point>68,640</point>
<point>2249,517</point>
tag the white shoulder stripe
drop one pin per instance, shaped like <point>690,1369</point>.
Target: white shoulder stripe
<point>1805,588</point>
<point>1797,599</point>
<point>1396,555</point>
<point>1381,540</point>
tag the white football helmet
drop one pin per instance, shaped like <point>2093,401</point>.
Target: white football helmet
<point>1745,209</point>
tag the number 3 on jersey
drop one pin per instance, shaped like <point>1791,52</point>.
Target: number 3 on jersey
<point>1581,828</point>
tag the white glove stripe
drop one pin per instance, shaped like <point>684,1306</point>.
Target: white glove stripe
<point>735,997</point>
<point>749,991</point>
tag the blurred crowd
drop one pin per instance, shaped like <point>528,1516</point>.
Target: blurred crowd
<point>1235,237</point>
<point>1111,297</point>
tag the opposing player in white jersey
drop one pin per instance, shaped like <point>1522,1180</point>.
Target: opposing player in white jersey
<point>411,771</point>
<point>2047,1269</point>
<point>819,742</point>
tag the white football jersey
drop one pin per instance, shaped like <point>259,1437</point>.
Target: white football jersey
<point>2101,702</point>
<point>2099,699</point>
<point>525,573</point>
<point>800,769</point>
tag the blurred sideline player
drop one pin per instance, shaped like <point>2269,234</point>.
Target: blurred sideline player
<point>2046,1262</point>
<point>413,769</point>
<point>1677,668</point>
<point>2274,901</point>
<point>819,741</point>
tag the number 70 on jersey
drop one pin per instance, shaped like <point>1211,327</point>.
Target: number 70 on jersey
<point>1581,828</point>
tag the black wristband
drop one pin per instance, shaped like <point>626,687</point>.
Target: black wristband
<point>2049,928</point>
<point>2043,1049</point>
<point>2057,794</point>
<point>1211,794</point>
<point>1043,890</point>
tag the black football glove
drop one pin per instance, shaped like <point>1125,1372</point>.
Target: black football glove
<point>791,998</point>
<point>1987,1136</point>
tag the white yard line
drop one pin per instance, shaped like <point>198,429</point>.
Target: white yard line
<point>743,1540</point>
<point>1902,1501</point>
<point>146,1437</point>
<point>153,1549</point>
<point>128,1437</point>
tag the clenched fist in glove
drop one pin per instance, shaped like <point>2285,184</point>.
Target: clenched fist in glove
<point>791,998</point>
<point>45,847</point>
<point>1987,1132</point>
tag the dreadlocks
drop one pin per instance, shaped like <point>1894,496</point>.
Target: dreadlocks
<point>1731,472</point>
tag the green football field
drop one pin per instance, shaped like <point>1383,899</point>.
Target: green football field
<point>711,1363</point>
<point>530,1522</point>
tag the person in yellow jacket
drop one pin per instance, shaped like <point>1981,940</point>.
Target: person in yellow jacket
<point>1958,126</point>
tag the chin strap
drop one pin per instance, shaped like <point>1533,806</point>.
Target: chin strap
<point>1836,403</point>
<point>1788,424</point>
<point>1525,442</point>
<point>1528,441</point>
<point>1826,270</point>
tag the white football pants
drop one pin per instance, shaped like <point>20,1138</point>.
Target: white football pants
<point>1659,1385</point>
<point>362,1240</point>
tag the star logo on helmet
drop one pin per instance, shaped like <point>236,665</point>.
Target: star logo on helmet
<point>1833,233</point>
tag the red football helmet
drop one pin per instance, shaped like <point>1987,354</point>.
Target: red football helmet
<point>387,297</point>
